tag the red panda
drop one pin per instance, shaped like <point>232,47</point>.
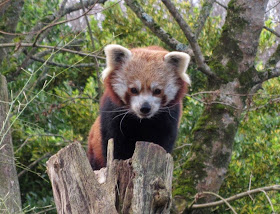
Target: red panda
<point>144,88</point>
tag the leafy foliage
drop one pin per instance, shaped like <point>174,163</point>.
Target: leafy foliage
<point>66,108</point>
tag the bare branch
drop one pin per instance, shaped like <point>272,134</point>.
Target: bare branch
<point>81,65</point>
<point>50,47</point>
<point>63,11</point>
<point>274,59</point>
<point>238,196</point>
<point>254,89</point>
<point>182,146</point>
<point>46,210</point>
<point>30,166</point>
<point>272,7</point>
<point>3,3</point>
<point>264,76</point>
<point>271,205</point>
<point>204,14</point>
<point>155,28</point>
<point>220,4</point>
<point>88,25</point>
<point>96,65</point>
<point>272,31</point>
<point>270,102</point>
<point>78,6</point>
<point>41,135</point>
<point>222,199</point>
<point>45,30</point>
<point>28,38</point>
<point>61,22</point>
<point>199,58</point>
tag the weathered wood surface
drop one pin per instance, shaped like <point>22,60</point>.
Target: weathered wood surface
<point>10,201</point>
<point>141,184</point>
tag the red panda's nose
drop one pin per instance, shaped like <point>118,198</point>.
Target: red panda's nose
<point>145,108</point>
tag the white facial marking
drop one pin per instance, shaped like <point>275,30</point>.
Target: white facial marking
<point>170,90</point>
<point>136,84</point>
<point>155,85</point>
<point>137,102</point>
<point>119,86</point>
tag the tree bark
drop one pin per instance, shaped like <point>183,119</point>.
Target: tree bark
<point>213,136</point>
<point>9,15</point>
<point>141,184</point>
<point>10,201</point>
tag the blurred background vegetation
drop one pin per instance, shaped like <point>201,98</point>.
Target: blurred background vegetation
<point>65,110</point>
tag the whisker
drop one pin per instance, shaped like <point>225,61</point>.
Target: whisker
<point>120,114</point>
<point>121,110</point>
<point>167,107</point>
<point>118,109</point>
<point>171,115</point>
<point>121,122</point>
<point>162,110</point>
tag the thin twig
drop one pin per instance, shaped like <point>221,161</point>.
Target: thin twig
<point>182,146</point>
<point>30,166</point>
<point>46,210</point>
<point>3,45</point>
<point>237,196</point>
<point>271,205</point>
<point>28,38</point>
<point>220,4</point>
<point>264,76</point>
<point>88,25</point>
<point>204,14</point>
<point>61,22</point>
<point>93,47</point>
<point>28,102</point>
<point>4,2</point>
<point>50,18</point>
<point>272,31</point>
<point>217,92</point>
<point>249,188</point>
<point>220,197</point>
<point>81,65</point>
<point>199,58</point>
<point>40,135</point>
<point>73,19</point>
<point>276,100</point>
<point>273,7</point>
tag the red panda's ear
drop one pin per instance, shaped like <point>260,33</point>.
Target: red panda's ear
<point>179,62</point>
<point>116,55</point>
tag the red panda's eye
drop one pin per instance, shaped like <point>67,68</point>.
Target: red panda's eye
<point>157,91</point>
<point>134,90</point>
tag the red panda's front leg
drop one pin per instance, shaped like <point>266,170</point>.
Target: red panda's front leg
<point>95,154</point>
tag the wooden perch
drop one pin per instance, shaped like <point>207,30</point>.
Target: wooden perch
<point>141,184</point>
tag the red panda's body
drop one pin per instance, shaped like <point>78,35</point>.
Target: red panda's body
<point>142,101</point>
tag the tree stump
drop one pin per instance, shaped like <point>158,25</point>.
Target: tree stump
<point>141,184</point>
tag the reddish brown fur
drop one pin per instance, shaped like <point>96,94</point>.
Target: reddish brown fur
<point>148,59</point>
<point>95,145</point>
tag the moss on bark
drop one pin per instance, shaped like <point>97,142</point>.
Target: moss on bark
<point>210,131</point>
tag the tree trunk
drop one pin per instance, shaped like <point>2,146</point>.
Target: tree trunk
<point>10,201</point>
<point>213,136</point>
<point>9,15</point>
<point>141,184</point>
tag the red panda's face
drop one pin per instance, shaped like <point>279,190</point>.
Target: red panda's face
<point>145,80</point>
